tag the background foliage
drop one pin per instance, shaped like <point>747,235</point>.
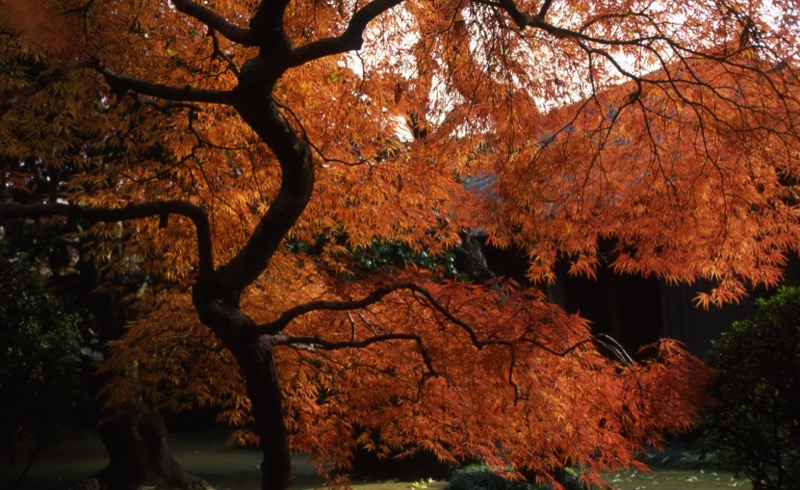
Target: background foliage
<point>39,357</point>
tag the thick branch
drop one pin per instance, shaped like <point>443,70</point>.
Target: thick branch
<point>372,298</point>
<point>378,294</point>
<point>545,7</point>
<point>253,100</point>
<point>216,22</point>
<point>275,327</point>
<point>267,13</point>
<point>267,25</point>
<point>317,342</point>
<point>351,39</point>
<point>177,94</point>
<point>524,19</point>
<point>127,213</point>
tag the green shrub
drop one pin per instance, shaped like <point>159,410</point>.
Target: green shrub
<point>39,357</point>
<point>755,425</point>
<point>479,477</point>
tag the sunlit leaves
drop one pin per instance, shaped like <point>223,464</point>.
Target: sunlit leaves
<point>173,368</point>
<point>667,132</point>
<point>687,164</point>
<point>519,382</point>
<point>508,399</point>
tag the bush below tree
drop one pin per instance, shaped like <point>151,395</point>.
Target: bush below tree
<point>755,426</point>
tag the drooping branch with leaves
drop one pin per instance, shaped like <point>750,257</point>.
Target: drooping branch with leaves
<point>667,129</point>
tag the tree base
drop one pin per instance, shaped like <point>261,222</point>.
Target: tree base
<point>139,458</point>
<point>97,483</point>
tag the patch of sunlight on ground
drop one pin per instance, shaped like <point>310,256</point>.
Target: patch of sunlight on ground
<point>669,479</point>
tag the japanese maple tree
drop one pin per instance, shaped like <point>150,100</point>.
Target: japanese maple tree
<point>668,128</point>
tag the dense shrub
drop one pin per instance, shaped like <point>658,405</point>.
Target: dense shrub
<point>755,426</point>
<point>479,477</point>
<point>39,357</point>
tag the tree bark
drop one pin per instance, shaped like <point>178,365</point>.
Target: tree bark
<point>254,356</point>
<point>136,442</point>
<point>139,456</point>
<point>258,367</point>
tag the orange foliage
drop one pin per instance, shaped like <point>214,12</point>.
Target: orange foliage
<point>669,129</point>
<point>519,382</point>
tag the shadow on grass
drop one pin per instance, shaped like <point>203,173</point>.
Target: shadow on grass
<point>205,455</point>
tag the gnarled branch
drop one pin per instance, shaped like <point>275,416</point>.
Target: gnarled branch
<point>350,40</point>
<point>276,326</point>
<point>167,92</point>
<point>315,342</point>
<point>297,182</point>
<point>376,295</point>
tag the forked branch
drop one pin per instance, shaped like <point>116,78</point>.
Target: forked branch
<point>314,343</point>
<point>275,327</point>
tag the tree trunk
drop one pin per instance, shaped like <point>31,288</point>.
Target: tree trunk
<point>263,389</point>
<point>139,456</point>
<point>136,442</point>
<point>255,359</point>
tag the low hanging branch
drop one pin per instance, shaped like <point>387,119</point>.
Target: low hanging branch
<point>317,343</point>
<point>160,209</point>
<point>275,327</point>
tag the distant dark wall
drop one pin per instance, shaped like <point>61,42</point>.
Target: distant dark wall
<point>697,327</point>
<point>628,308</point>
<point>693,325</point>
<point>511,263</point>
<point>638,311</point>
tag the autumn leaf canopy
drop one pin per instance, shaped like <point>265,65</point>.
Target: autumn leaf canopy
<point>669,128</point>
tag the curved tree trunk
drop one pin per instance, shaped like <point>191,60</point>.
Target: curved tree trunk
<point>253,353</point>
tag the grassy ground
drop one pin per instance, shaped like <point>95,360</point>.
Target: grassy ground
<point>206,456</point>
<point>669,479</point>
